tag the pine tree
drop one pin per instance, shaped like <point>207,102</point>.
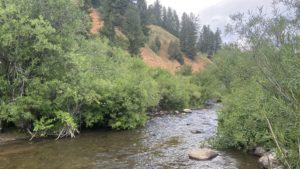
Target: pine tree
<point>218,40</point>
<point>144,15</point>
<point>113,15</point>
<point>164,18</point>
<point>155,13</point>
<point>209,42</point>
<point>184,32</point>
<point>188,35</point>
<point>167,18</point>
<point>133,29</point>
<point>170,24</point>
<point>176,23</point>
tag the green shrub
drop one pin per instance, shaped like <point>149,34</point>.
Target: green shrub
<point>176,92</point>
<point>185,70</point>
<point>120,89</point>
<point>175,52</point>
<point>61,124</point>
<point>250,99</point>
<point>156,45</point>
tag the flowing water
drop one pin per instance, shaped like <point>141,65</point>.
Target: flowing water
<point>162,144</point>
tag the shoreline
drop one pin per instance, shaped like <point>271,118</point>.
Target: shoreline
<point>12,136</point>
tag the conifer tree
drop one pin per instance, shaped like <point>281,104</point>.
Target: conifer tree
<point>144,15</point>
<point>155,13</point>
<point>218,40</point>
<point>188,35</point>
<point>176,23</point>
<point>209,42</point>
<point>133,29</point>
<point>164,18</point>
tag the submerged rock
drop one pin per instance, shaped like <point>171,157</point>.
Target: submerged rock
<point>196,131</point>
<point>203,154</point>
<point>269,161</point>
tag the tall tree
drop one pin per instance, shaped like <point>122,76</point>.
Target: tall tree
<point>188,35</point>
<point>133,29</point>
<point>217,40</point>
<point>170,23</point>
<point>114,16</point>
<point>155,13</point>
<point>209,42</point>
<point>176,23</point>
<point>164,18</point>
<point>144,15</point>
<point>167,18</point>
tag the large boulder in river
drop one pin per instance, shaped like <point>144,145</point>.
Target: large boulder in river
<point>269,161</point>
<point>259,151</point>
<point>187,111</point>
<point>203,154</point>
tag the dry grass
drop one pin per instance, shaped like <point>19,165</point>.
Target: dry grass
<point>164,36</point>
<point>156,61</point>
<point>161,59</point>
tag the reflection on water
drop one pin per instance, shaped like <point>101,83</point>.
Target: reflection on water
<point>162,144</point>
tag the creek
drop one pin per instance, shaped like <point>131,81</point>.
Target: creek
<point>162,144</point>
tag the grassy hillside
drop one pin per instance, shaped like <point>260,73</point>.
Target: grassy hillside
<point>161,59</point>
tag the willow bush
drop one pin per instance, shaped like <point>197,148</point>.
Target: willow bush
<point>259,85</point>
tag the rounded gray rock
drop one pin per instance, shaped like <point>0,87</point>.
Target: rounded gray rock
<point>203,154</point>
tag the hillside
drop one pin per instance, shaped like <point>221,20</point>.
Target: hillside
<point>161,59</point>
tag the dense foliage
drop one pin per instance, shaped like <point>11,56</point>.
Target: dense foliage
<point>113,91</point>
<point>56,78</point>
<point>176,92</point>
<point>33,65</point>
<point>259,85</point>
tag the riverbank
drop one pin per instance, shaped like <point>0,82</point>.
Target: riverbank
<point>12,135</point>
<point>163,143</point>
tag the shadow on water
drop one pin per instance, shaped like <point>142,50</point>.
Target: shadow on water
<point>163,143</point>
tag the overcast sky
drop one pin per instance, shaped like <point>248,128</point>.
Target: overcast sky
<point>214,12</point>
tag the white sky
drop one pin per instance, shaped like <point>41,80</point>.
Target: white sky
<point>188,5</point>
<point>214,12</point>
